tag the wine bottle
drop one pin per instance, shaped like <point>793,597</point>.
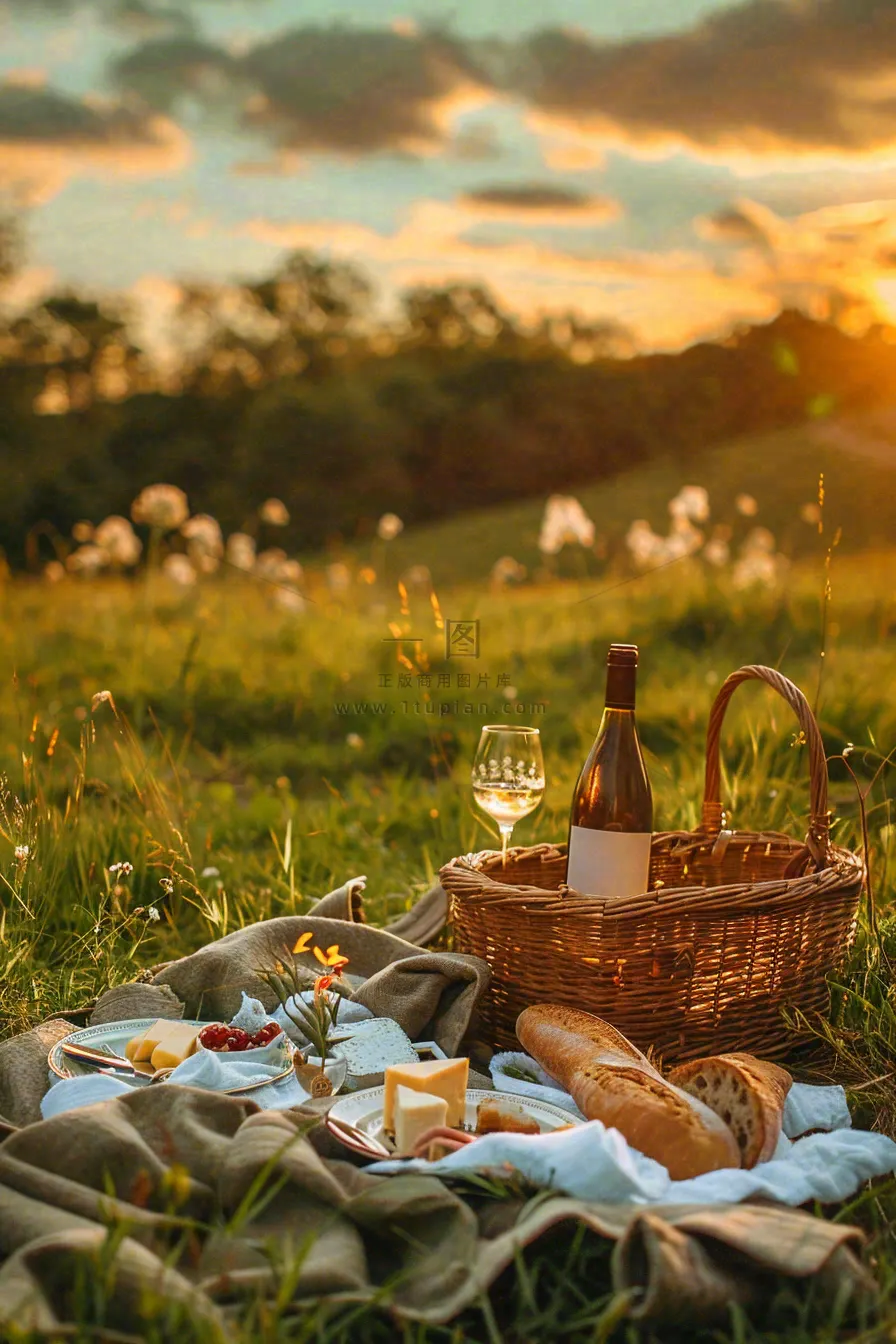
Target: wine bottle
<point>611,819</point>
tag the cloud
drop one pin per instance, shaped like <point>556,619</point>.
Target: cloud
<point>47,137</point>
<point>348,90</point>
<point>540,203</point>
<point>777,77</point>
<point>828,262</point>
<point>666,299</point>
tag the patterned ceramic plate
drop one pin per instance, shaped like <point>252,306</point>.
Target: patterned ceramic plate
<point>362,1114</point>
<point>114,1036</point>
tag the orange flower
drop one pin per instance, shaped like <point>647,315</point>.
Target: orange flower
<point>321,985</point>
<point>302,944</point>
<point>332,959</point>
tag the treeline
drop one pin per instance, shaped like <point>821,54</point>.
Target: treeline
<point>291,388</point>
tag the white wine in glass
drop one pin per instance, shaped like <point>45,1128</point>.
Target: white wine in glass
<point>508,776</point>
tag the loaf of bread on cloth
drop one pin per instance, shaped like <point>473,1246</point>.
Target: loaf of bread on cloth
<point>610,1080</point>
<point>747,1093</point>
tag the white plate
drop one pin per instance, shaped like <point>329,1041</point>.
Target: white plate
<point>364,1112</point>
<point>114,1036</point>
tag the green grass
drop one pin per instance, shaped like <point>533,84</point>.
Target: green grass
<point>220,765</point>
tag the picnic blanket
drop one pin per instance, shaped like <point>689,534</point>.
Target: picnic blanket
<point>186,1201</point>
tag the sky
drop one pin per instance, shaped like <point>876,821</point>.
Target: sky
<point>673,166</point>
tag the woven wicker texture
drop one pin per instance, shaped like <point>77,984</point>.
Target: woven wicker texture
<point>737,924</point>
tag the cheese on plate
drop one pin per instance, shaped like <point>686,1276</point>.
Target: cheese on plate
<point>415,1112</point>
<point>141,1046</point>
<point>175,1043</point>
<point>446,1078</point>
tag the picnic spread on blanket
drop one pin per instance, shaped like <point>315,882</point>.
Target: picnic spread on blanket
<point>614,1060</point>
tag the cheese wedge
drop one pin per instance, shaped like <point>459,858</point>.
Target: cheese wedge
<point>176,1042</point>
<point>134,1045</point>
<point>141,1046</point>
<point>415,1112</point>
<point>446,1078</point>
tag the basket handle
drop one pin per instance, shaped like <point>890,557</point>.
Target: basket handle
<point>818,838</point>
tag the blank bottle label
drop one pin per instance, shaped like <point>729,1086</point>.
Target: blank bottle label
<point>608,863</point>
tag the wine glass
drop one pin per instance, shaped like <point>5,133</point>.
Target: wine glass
<point>508,776</point>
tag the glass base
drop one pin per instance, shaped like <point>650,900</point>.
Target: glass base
<point>321,1082</point>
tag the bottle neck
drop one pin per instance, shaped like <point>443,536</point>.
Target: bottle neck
<point>620,688</point>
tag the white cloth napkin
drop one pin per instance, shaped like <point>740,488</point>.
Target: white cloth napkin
<point>218,1070</point>
<point>596,1163</point>
<point>68,1094</point>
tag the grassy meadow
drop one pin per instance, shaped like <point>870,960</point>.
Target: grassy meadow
<point>246,758</point>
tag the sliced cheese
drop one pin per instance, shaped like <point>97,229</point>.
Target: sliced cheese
<point>140,1047</point>
<point>176,1042</point>
<point>415,1112</point>
<point>133,1045</point>
<point>446,1078</point>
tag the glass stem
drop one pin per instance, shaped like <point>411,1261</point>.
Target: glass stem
<point>506,833</point>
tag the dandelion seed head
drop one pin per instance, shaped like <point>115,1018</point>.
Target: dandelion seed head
<point>117,538</point>
<point>240,551</point>
<point>389,526</point>
<point>179,570</point>
<point>274,512</point>
<point>87,560</point>
<point>161,506</point>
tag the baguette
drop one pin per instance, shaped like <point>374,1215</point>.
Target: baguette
<point>747,1093</point>
<point>610,1080</point>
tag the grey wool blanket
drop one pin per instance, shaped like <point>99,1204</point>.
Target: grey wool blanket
<point>185,1204</point>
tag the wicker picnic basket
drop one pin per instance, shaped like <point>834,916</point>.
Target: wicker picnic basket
<point>737,925</point>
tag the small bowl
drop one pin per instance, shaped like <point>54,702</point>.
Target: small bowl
<point>256,1053</point>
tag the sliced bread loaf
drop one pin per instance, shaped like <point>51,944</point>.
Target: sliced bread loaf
<point>747,1093</point>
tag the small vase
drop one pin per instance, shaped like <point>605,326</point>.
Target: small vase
<point>321,1080</point>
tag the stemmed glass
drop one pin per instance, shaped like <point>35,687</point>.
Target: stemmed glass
<point>508,776</point>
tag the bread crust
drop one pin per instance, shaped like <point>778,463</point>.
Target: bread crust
<point>755,1087</point>
<point>611,1080</point>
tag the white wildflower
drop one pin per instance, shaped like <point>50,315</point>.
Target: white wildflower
<point>205,543</point>
<point>269,564</point>
<point>161,506</point>
<point>760,541</point>
<point>747,506</point>
<point>717,552</point>
<point>240,551</point>
<point>683,539</point>
<point>506,570</point>
<point>121,869</point>
<point>87,560</point>
<point>167,885</point>
<point>389,526</point>
<point>755,569</point>
<point>153,915</point>
<point>646,547</point>
<point>274,512</point>
<point>210,872</point>
<point>287,599</point>
<point>178,569</point>
<point>691,503</point>
<point>22,852</point>
<point>118,539</point>
<point>355,741</point>
<point>338,577</point>
<point>565,522</point>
